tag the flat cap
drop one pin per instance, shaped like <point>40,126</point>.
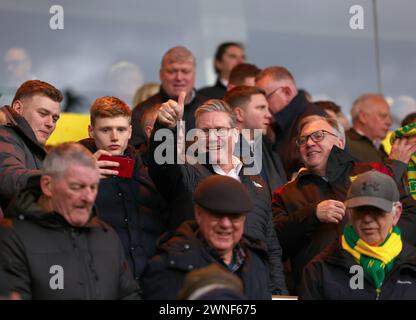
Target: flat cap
<point>223,195</point>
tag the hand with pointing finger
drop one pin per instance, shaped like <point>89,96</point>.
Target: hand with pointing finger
<point>171,111</point>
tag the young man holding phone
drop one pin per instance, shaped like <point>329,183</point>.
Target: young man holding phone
<point>127,198</point>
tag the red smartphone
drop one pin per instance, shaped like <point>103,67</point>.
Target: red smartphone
<point>125,168</point>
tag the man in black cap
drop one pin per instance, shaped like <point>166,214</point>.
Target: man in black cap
<point>221,205</point>
<point>371,261</point>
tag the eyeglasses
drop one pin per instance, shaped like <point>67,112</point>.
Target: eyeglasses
<point>316,136</point>
<point>269,95</point>
<point>219,132</point>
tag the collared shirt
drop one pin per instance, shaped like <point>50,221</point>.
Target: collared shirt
<point>239,257</point>
<point>234,172</point>
<point>375,142</point>
<point>224,82</point>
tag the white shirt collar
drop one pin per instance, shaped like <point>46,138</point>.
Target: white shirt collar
<point>234,172</point>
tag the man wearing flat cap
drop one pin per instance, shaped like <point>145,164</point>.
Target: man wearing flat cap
<point>371,261</point>
<point>221,205</point>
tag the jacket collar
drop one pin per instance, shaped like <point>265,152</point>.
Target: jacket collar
<point>166,97</point>
<point>338,160</point>
<point>354,135</point>
<point>25,207</point>
<point>288,116</point>
<point>20,125</point>
<point>219,84</point>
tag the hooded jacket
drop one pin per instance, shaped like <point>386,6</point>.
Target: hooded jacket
<point>45,257</point>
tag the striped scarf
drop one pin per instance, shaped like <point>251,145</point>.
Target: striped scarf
<point>406,131</point>
<point>376,261</point>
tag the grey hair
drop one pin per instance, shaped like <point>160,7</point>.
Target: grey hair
<point>362,102</point>
<point>339,129</point>
<point>63,155</point>
<point>216,105</point>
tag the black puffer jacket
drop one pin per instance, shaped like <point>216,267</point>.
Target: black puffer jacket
<point>134,208</point>
<point>177,182</point>
<point>328,276</point>
<point>35,245</point>
<point>182,251</point>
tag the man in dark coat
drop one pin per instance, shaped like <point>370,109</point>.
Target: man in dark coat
<point>31,119</point>
<point>252,113</point>
<point>131,205</point>
<point>52,247</point>
<point>371,261</point>
<point>221,205</point>
<point>227,56</point>
<point>177,73</point>
<point>309,211</point>
<point>177,179</point>
<point>288,107</point>
<point>371,121</point>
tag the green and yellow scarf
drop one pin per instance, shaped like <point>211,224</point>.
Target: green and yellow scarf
<point>376,261</point>
<point>406,131</point>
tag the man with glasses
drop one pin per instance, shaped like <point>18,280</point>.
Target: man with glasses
<point>176,182</point>
<point>309,211</point>
<point>288,107</point>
